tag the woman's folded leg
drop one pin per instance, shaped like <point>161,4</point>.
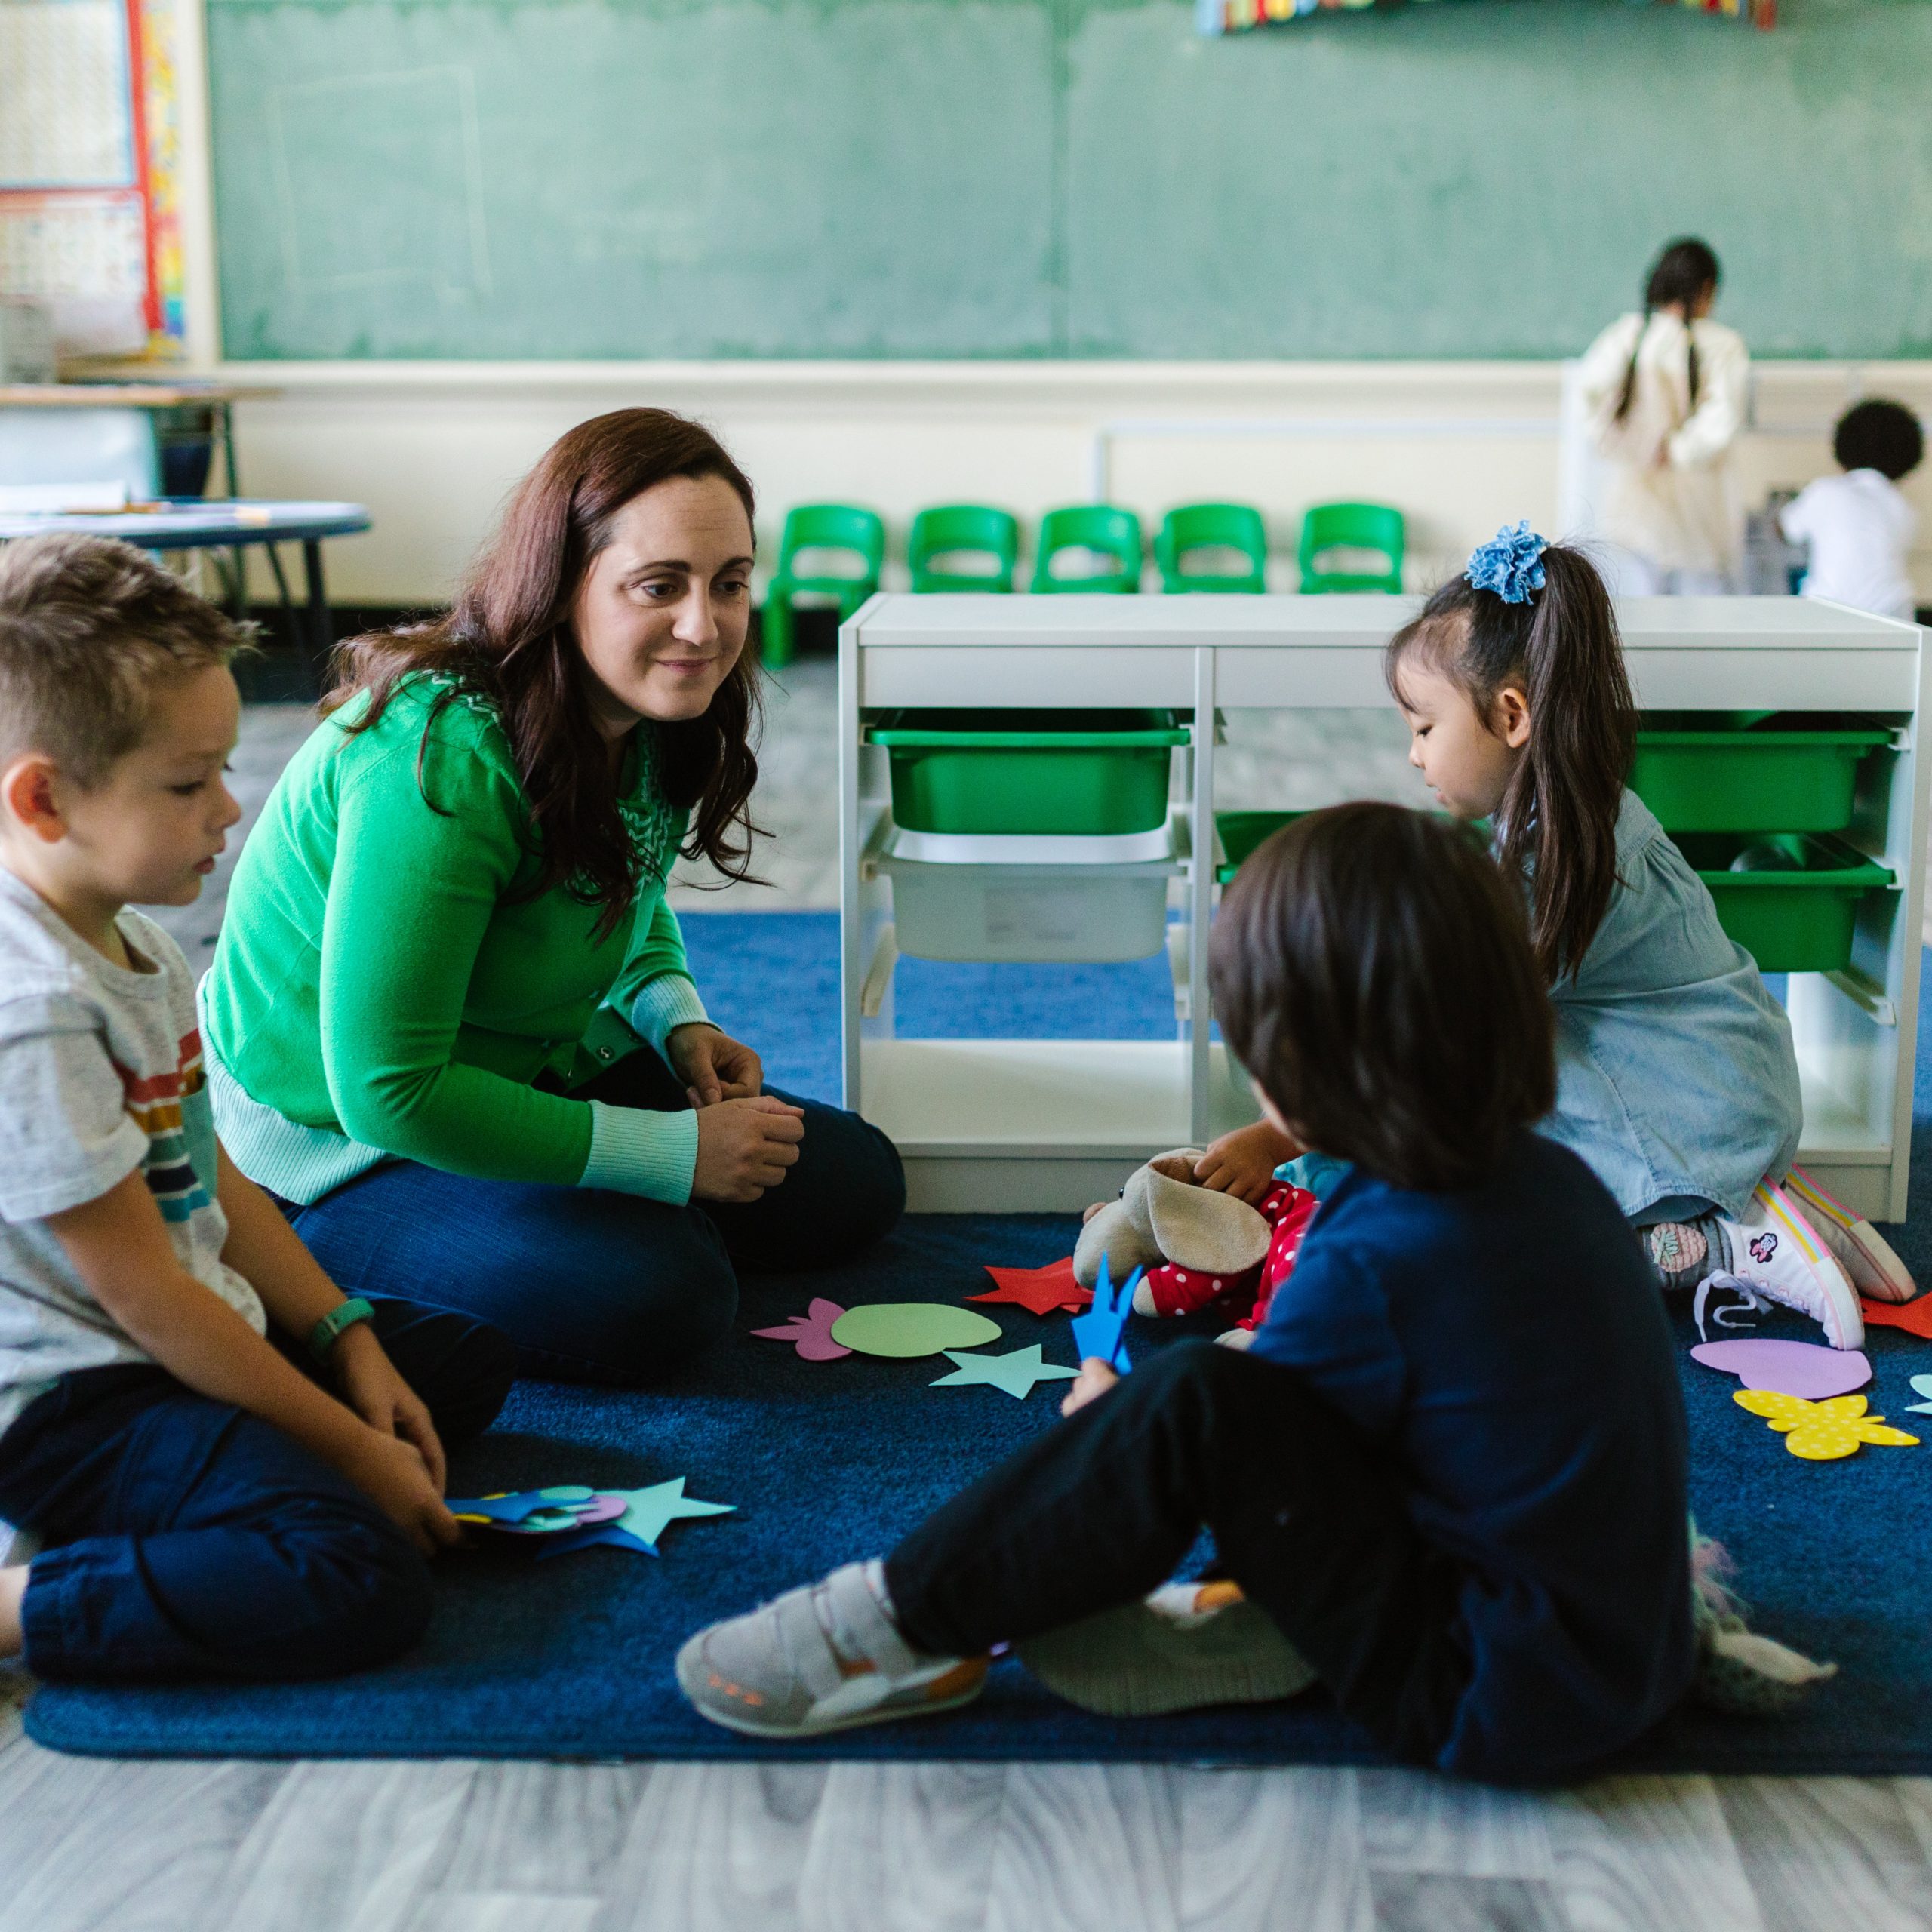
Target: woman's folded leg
<point>591,1286</point>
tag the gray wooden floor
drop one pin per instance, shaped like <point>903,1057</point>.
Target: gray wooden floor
<point>88,1844</point>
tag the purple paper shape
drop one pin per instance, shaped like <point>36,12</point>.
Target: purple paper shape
<point>1787,1368</point>
<point>601,1509</point>
<point>811,1333</point>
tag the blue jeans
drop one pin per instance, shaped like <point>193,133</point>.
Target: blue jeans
<point>593,1286</point>
<point>186,1538</point>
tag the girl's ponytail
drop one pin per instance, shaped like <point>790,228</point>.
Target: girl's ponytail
<point>1542,620</point>
<point>1559,818</point>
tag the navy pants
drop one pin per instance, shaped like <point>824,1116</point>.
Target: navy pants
<point>593,1286</point>
<point>185,1538</point>
<point>1099,1510</point>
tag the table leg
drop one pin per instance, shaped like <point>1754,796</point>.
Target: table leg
<point>322,630</point>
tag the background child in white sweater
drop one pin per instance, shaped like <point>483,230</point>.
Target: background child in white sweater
<point>1858,523</point>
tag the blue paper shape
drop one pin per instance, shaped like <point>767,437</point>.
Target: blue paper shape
<point>1016,1372</point>
<point>613,1533</point>
<point>512,1508</point>
<point>1102,1331</point>
<point>1921,1385</point>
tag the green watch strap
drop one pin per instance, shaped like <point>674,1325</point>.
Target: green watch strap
<point>328,1331</point>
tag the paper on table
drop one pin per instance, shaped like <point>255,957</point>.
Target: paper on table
<point>1787,1368</point>
<point>1040,1290</point>
<point>810,1332</point>
<point>1016,1372</point>
<point>1101,1331</point>
<point>905,1329</point>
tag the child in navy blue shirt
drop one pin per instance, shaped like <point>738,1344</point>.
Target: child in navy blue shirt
<point>1451,1470</point>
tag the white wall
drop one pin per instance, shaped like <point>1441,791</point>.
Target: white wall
<point>433,448</point>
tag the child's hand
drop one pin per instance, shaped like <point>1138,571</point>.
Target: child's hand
<point>392,1475</point>
<point>1096,1378</point>
<point>1243,1163</point>
<point>374,1389</point>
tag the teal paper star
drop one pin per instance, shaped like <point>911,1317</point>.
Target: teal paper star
<point>1016,1372</point>
<point>651,1510</point>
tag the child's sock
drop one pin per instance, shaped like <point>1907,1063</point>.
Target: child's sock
<point>823,1658</point>
<point>1682,1253</point>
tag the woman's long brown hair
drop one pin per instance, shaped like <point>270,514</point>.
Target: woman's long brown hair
<point>1557,823</point>
<point>508,640</point>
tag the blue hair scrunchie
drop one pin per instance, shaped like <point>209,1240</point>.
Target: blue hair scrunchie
<point>1510,563</point>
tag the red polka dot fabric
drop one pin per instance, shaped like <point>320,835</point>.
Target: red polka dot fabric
<point>1179,1290</point>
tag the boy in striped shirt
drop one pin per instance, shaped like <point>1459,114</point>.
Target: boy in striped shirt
<point>233,1470</point>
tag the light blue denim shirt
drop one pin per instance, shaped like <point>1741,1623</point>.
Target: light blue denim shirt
<point>1675,1070</point>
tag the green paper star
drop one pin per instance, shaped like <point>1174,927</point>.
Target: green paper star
<point>1016,1372</point>
<point>651,1510</point>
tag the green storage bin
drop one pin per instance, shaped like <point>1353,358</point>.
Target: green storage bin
<point>1242,831</point>
<point>1090,772</point>
<point>1758,779</point>
<point>1798,921</point>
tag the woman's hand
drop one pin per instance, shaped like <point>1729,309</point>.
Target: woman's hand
<point>713,1066</point>
<point>1095,1379</point>
<point>373,1386</point>
<point>744,1147</point>
<point>1243,1163</point>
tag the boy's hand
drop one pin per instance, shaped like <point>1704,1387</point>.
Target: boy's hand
<point>392,1474</point>
<point>1243,1163</point>
<point>374,1389</point>
<point>1096,1378</point>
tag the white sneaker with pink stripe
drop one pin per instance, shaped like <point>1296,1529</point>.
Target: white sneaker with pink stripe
<point>1777,1250</point>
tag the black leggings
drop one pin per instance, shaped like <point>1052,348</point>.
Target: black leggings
<point>1098,1511</point>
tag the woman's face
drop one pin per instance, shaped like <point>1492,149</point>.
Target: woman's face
<point>662,613</point>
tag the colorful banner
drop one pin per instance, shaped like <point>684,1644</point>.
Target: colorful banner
<point>1220,17</point>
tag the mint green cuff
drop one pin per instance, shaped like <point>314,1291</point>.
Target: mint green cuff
<point>635,1150</point>
<point>664,1004</point>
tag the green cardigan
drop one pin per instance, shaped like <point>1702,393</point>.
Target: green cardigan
<point>379,989</point>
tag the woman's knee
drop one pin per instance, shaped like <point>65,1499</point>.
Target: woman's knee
<point>863,1181</point>
<point>676,1296</point>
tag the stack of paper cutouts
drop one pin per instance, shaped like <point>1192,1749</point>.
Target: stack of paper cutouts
<point>569,1517</point>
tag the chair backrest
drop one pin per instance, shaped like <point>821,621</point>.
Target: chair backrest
<point>1104,528</point>
<point>1236,526</point>
<point>834,527</point>
<point>956,531</point>
<point>1353,526</point>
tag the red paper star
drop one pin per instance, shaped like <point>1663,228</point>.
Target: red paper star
<point>1043,1290</point>
<point>1914,1317</point>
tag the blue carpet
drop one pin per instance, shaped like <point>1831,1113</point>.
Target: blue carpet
<point>571,1659</point>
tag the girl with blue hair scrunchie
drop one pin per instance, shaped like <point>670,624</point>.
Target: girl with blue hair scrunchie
<point>1677,1080</point>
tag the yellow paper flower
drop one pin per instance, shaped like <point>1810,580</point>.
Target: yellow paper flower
<point>1822,1431</point>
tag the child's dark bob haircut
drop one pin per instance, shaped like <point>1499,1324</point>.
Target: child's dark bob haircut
<point>1371,969</point>
<point>1883,436</point>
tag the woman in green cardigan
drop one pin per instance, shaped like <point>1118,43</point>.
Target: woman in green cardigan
<point>450,1024</point>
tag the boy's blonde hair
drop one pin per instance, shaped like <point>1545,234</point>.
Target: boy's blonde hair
<point>90,629</point>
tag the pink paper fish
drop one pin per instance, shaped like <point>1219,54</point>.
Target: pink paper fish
<point>811,1333</point>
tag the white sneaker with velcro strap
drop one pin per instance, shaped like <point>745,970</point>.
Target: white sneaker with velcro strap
<point>824,1658</point>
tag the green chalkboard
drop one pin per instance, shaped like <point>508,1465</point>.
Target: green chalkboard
<point>882,178</point>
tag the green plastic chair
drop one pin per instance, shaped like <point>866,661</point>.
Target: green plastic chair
<point>1354,527</point>
<point>821,527</point>
<point>1099,527</point>
<point>955,528</point>
<point>1212,527</point>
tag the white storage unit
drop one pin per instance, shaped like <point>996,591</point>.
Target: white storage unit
<point>1035,1125</point>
